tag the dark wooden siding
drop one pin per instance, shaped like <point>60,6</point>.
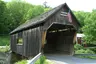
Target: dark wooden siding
<point>56,18</point>
<point>32,42</point>
<point>13,43</point>
<point>19,49</point>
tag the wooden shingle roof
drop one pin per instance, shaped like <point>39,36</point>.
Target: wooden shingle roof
<point>40,19</point>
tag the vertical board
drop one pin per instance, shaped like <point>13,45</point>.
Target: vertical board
<point>13,42</point>
<point>32,42</point>
<point>25,43</point>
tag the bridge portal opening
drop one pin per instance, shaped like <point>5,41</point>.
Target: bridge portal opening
<point>59,39</point>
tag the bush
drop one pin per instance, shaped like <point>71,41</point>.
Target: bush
<point>89,57</point>
<point>93,49</point>
<point>88,51</point>
<point>41,60</point>
<point>78,46</point>
<point>84,51</point>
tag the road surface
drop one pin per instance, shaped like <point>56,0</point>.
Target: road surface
<point>67,59</point>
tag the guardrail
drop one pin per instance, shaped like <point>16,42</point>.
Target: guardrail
<point>33,60</point>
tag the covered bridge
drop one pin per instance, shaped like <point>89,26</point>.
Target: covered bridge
<point>52,32</point>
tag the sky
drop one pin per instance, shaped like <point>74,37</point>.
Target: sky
<point>77,5</point>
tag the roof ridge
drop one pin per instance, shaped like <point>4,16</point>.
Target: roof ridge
<point>39,19</point>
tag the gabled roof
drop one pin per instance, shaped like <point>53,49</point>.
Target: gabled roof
<point>40,19</point>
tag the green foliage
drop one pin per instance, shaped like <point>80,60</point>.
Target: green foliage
<point>84,51</point>
<point>4,40</point>
<point>81,16</point>
<point>89,57</point>
<point>4,49</point>
<point>20,41</point>
<point>89,28</point>
<point>43,60</point>
<point>78,47</point>
<point>93,49</point>
<point>21,11</point>
<point>21,62</point>
<point>2,17</point>
<point>16,12</point>
<point>88,22</point>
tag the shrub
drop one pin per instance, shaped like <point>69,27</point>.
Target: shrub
<point>89,57</point>
<point>78,46</point>
<point>93,49</point>
<point>88,51</point>
<point>84,51</point>
<point>80,51</point>
<point>41,60</point>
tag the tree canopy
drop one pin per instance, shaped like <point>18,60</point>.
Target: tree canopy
<point>88,25</point>
<point>16,12</point>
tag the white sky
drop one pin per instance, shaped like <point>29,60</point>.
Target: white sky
<point>84,5</point>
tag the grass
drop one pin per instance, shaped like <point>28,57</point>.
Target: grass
<point>21,62</point>
<point>5,49</point>
<point>4,40</point>
<point>48,62</point>
<point>43,60</point>
<point>89,57</point>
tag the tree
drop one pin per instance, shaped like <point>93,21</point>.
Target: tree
<point>16,12</point>
<point>2,17</point>
<point>81,15</point>
<point>89,28</point>
<point>20,11</point>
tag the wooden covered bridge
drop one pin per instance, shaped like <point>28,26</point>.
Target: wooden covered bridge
<point>52,32</point>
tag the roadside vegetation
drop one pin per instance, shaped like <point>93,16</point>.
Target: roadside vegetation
<point>4,49</point>
<point>4,43</point>
<point>4,40</point>
<point>88,57</point>
<point>79,49</point>
<point>41,60</point>
<point>21,62</point>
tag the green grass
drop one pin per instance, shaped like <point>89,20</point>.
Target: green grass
<point>43,60</point>
<point>4,40</point>
<point>21,62</point>
<point>89,57</point>
<point>5,49</point>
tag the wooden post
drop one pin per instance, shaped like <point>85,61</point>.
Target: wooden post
<point>43,38</point>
